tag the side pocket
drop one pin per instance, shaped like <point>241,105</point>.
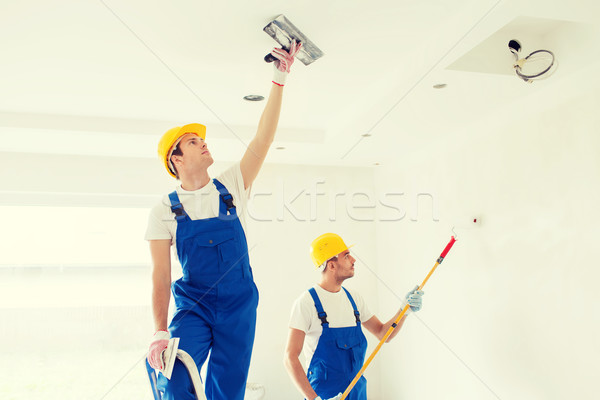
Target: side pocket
<point>317,374</point>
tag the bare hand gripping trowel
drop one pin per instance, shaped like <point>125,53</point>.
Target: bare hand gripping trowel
<point>283,31</point>
<point>171,354</point>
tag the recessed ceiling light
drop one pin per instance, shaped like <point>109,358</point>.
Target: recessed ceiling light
<point>366,135</point>
<point>376,163</point>
<point>254,97</point>
<point>280,148</point>
<point>439,86</point>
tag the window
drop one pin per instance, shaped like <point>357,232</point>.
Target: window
<point>74,302</point>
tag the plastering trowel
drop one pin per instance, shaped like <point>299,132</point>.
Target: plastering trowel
<point>283,31</point>
<point>170,355</point>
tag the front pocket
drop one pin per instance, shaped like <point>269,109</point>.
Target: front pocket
<point>213,238</point>
<point>212,251</point>
<point>347,343</point>
<point>353,351</point>
<point>228,253</point>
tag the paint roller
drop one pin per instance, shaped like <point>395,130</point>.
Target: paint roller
<point>283,31</point>
<point>396,321</point>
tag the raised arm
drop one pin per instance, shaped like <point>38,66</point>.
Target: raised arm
<point>259,146</point>
<point>379,329</point>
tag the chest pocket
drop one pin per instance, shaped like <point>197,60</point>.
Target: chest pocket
<point>348,343</point>
<point>353,350</point>
<point>217,247</point>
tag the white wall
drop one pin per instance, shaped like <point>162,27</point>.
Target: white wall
<point>56,180</point>
<point>512,312</point>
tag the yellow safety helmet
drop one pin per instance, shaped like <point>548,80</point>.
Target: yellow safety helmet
<point>325,247</point>
<point>167,142</point>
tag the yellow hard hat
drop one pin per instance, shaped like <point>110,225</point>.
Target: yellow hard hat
<point>325,247</point>
<point>171,138</point>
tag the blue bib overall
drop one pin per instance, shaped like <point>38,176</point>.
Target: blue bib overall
<point>338,357</point>
<point>215,301</point>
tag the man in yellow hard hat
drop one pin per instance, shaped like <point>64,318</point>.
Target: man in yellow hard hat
<point>203,219</point>
<point>327,322</point>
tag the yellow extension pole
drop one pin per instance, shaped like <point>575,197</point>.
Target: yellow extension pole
<point>396,321</point>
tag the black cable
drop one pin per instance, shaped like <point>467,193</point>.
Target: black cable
<point>529,77</point>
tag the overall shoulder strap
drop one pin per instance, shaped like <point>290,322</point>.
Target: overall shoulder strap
<point>320,312</point>
<point>356,313</point>
<point>226,205</point>
<point>177,207</point>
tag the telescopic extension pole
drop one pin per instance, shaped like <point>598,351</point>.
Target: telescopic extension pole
<point>395,324</point>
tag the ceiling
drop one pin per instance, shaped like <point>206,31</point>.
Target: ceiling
<point>109,77</point>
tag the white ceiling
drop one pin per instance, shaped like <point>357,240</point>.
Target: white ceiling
<point>108,77</point>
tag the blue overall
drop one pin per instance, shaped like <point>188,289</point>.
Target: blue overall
<point>215,301</point>
<point>338,357</point>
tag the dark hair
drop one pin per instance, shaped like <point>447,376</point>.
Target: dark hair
<point>327,262</point>
<point>176,152</point>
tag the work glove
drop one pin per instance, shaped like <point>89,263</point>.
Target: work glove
<point>159,343</point>
<point>414,299</point>
<point>338,397</point>
<point>284,62</point>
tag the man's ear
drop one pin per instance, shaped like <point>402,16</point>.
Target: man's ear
<point>331,264</point>
<point>176,160</point>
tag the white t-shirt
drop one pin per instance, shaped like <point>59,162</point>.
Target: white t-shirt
<point>339,311</point>
<point>198,204</point>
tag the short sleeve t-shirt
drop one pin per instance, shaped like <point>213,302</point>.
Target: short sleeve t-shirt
<point>339,311</point>
<point>198,204</point>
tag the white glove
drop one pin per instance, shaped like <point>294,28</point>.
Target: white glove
<point>414,299</point>
<point>159,343</point>
<point>338,397</point>
<point>284,62</point>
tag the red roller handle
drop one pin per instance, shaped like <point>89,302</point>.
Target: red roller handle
<point>448,247</point>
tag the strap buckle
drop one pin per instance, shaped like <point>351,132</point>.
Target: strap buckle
<point>323,317</point>
<point>179,211</point>
<point>228,200</point>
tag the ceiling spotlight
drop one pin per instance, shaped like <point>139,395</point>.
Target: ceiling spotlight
<point>254,97</point>
<point>366,135</point>
<point>439,86</point>
<point>280,148</point>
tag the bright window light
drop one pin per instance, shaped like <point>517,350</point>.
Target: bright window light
<point>73,236</point>
<point>74,302</point>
